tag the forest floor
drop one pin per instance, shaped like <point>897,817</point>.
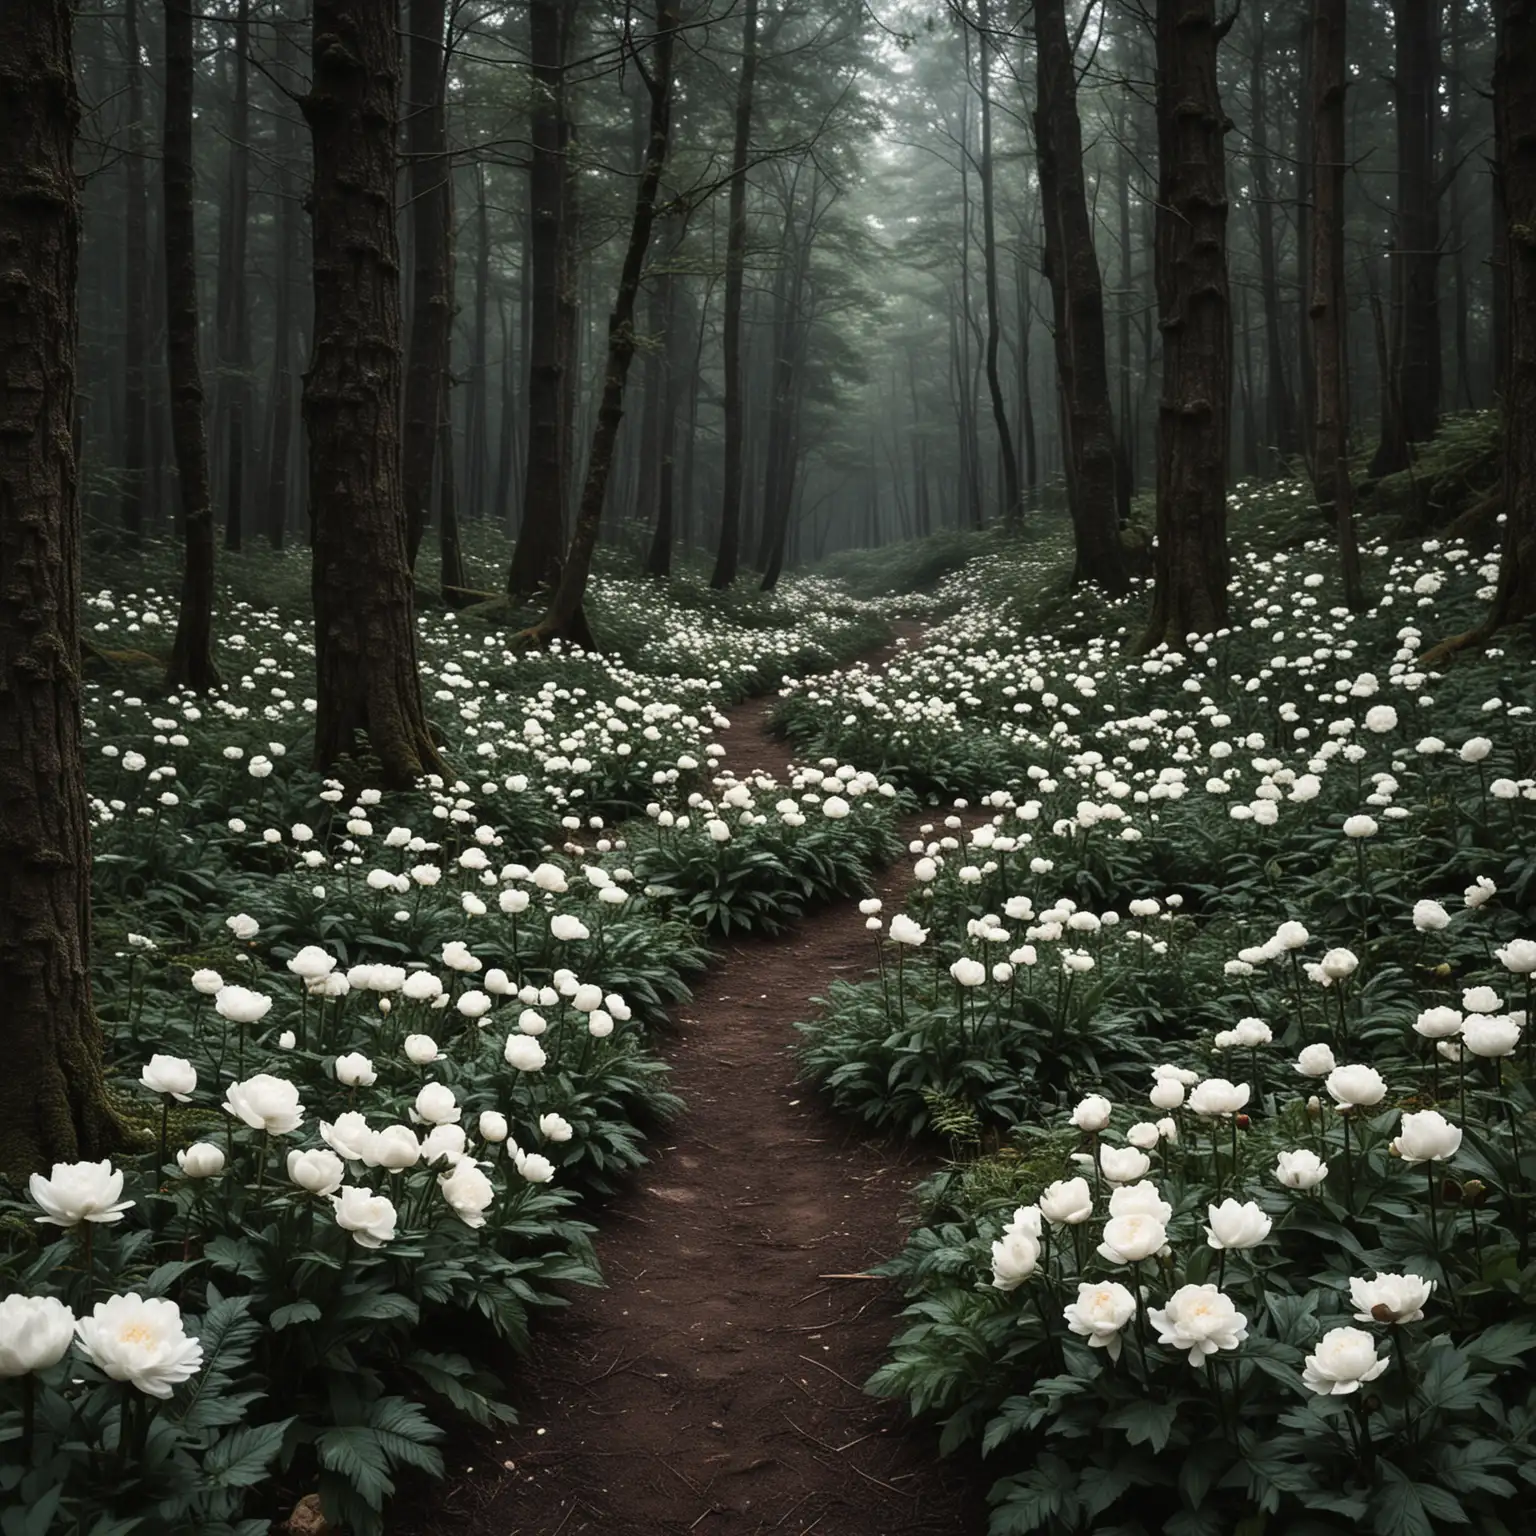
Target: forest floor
<point>715,1385</point>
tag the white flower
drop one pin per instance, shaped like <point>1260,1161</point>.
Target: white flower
<point>1144,1134</point>
<point>456,957</point>
<point>1014,1257</point>
<point>968,972</point>
<point>318,1172</point>
<point>524,1053</point>
<point>599,1024</point>
<point>1356,1086</point>
<point>354,1070</point>
<point>1481,1000</point>
<point>207,982</point>
<point>395,1148</point>
<point>1292,935</point>
<point>141,1341</point>
<point>1123,1165</point>
<point>242,925</point>
<point>170,1075</point>
<point>1480,893</point>
<point>1067,1202</point>
<point>1167,1093</point>
<point>443,1143</point>
<point>1475,749</point>
<point>421,1050</point>
<point>240,1005</point>
<point>534,1167</point>
<point>1518,956</point>
<point>1438,1023</point>
<point>474,1004</point>
<point>1216,1097</point>
<point>35,1333</point>
<point>1430,916</point>
<point>1490,1036</point>
<point>370,1218</point>
<point>567,928</point>
<point>1302,1169</point>
<point>1099,1313</point>
<point>904,930</point>
<point>1360,826</point>
<point>1253,1032</point>
<point>435,1105</point>
<point>265,1103</point>
<point>349,1135</point>
<point>202,1160</point>
<point>1236,1225</point>
<point>1390,1298</point>
<point>1426,1137</point>
<point>468,1192</point>
<point>834,808</point>
<point>553,1127</point>
<point>493,1126</point>
<point>1345,1358</point>
<point>1200,1319</point>
<point>1315,1061</point>
<point>311,963</point>
<point>1339,964</point>
<point>1129,1239</point>
<point>1142,1199</point>
<point>1092,1114</point>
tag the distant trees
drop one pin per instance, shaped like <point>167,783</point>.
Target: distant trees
<point>52,1101</point>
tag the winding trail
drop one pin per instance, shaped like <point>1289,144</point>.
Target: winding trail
<point>715,1385</point>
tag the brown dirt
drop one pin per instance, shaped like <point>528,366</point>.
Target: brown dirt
<point>715,1385</point>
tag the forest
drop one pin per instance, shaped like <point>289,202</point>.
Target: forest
<point>767,766</point>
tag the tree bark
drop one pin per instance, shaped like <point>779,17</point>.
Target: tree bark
<point>135,287</point>
<point>565,619</point>
<point>52,1100</point>
<point>280,395</point>
<point>1077,293</point>
<point>536,558</point>
<point>1514,108</point>
<point>1330,331</point>
<point>191,663</point>
<point>1280,404</point>
<point>729,553</point>
<point>431,339</point>
<point>1190,566</point>
<point>234,324</point>
<point>1012,508</point>
<point>1416,259</point>
<point>367,683</point>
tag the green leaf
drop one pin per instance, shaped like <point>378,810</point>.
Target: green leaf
<point>1144,1421</point>
<point>242,1458</point>
<point>294,1312</point>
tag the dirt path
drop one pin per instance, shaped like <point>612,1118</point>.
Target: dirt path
<point>715,1386</point>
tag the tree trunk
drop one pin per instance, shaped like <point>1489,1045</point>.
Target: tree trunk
<point>431,339</point>
<point>1077,293</point>
<point>367,682</point>
<point>565,618</point>
<point>674,363</point>
<point>1416,259</point>
<point>1280,412</point>
<point>1514,108</point>
<point>729,553</point>
<point>536,558</point>
<point>234,324</point>
<point>280,396</point>
<point>135,287</point>
<point>191,663</point>
<point>506,422</point>
<point>477,431</point>
<point>52,1100</point>
<point>1330,331</point>
<point>1012,510</point>
<point>450,554</point>
<point>1194,314</point>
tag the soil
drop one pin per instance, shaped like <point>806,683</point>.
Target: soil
<point>715,1386</point>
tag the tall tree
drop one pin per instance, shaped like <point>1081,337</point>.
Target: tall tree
<point>427,365</point>
<point>191,663</point>
<point>565,618</point>
<point>728,555</point>
<point>536,558</point>
<point>52,1100</point>
<point>234,395</point>
<point>135,285</point>
<point>1330,332</point>
<point>367,683</point>
<point>1415,332</point>
<point>1190,567</point>
<point>1012,508</point>
<point>1077,293</point>
<point>1514,105</point>
<point>285,322</point>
